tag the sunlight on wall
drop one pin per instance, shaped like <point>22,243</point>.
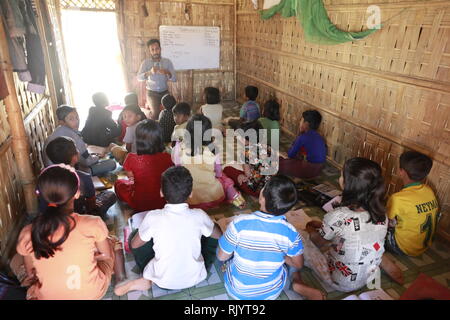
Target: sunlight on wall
<point>93,57</point>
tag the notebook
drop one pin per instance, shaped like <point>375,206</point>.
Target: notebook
<point>378,294</point>
<point>327,190</point>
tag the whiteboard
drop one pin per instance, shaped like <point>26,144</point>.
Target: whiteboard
<point>191,47</point>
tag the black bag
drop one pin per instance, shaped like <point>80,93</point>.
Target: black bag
<point>10,288</point>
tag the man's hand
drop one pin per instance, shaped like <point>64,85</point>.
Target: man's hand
<point>165,72</point>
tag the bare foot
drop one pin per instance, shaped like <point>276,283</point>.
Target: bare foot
<point>140,284</point>
<point>392,270</point>
<point>305,291</point>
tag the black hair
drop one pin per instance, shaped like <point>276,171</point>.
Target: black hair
<point>176,184</point>
<point>280,195</point>
<point>206,140</point>
<point>100,99</point>
<point>313,117</point>
<point>272,110</point>
<point>364,188</point>
<point>251,92</point>
<point>416,165</point>
<point>255,125</point>
<point>152,41</point>
<point>57,186</point>
<point>149,137</point>
<point>61,150</point>
<point>63,111</point>
<point>131,99</point>
<point>168,101</point>
<point>182,108</point>
<point>136,110</point>
<point>212,95</point>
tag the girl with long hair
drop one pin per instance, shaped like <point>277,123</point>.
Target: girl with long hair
<point>66,255</point>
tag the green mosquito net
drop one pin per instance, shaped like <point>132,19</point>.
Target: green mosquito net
<point>314,18</point>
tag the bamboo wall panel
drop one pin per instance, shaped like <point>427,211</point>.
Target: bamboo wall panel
<point>140,28</point>
<point>12,202</point>
<point>378,97</point>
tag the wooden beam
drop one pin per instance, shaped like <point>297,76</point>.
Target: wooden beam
<point>20,144</point>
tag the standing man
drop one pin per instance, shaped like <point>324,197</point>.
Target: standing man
<point>156,71</point>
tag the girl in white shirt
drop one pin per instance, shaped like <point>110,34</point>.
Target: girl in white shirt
<point>212,109</point>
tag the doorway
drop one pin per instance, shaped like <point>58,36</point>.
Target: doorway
<point>93,57</point>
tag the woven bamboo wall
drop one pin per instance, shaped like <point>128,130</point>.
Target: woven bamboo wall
<point>139,29</point>
<point>378,96</point>
<point>11,194</point>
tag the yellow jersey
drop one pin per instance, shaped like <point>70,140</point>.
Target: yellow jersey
<point>416,210</point>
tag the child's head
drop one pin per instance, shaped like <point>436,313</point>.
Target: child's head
<point>176,184</point>
<point>250,129</point>
<point>211,95</point>
<point>311,120</point>
<point>149,137</point>
<point>181,112</point>
<point>131,99</point>
<point>168,101</point>
<point>100,99</point>
<point>58,185</point>
<point>278,196</point>
<point>363,187</point>
<point>132,115</point>
<point>272,110</point>
<point>415,165</point>
<point>68,116</point>
<point>62,150</point>
<point>202,124</point>
<point>251,92</point>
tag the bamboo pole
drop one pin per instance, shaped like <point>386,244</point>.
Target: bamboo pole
<point>235,50</point>
<point>20,144</point>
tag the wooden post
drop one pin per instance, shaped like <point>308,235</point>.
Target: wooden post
<point>20,144</point>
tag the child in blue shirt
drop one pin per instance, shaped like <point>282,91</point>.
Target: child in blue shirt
<point>261,243</point>
<point>68,127</point>
<point>250,109</point>
<point>308,153</point>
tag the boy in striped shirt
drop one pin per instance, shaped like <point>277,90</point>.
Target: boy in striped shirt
<point>261,243</point>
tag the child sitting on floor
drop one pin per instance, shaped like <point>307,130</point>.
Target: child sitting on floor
<point>68,127</point>
<point>258,166</point>
<point>174,243</point>
<point>259,245</point>
<point>309,142</point>
<point>212,109</point>
<point>271,121</point>
<point>63,150</point>
<point>130,99</point>
<point>197,154</point>
<point>355,229</point>
<point>250,110</point>
<point>132,115</point>
<point>414,211</point>
<point>100,129</point>
<point>144,169</point>
<point>66,255</point>
<point>166,117</point>
<point>181,114</point>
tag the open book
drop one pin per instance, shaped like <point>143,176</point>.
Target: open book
<point>379,294</point>
<point>327,190</point>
